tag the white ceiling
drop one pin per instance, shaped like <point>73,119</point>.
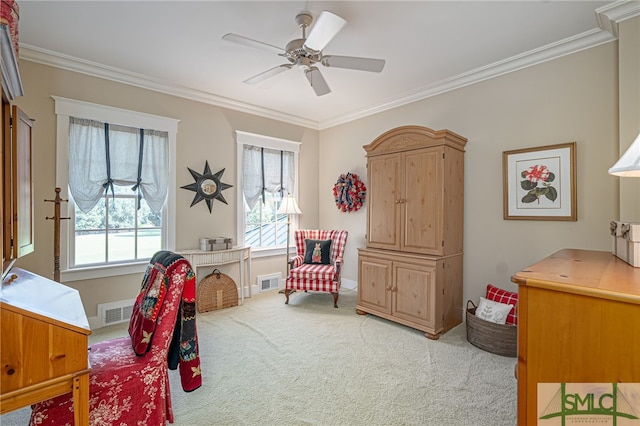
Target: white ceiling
<point>429,47</point>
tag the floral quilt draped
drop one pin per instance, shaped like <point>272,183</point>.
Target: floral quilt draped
<point>130,389</point>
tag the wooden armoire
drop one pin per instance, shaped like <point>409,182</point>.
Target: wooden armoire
<point>16,184</point>
<point>411,269</point>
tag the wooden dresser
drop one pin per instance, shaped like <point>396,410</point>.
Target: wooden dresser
<point>44,343</point>
<point>578,322</point>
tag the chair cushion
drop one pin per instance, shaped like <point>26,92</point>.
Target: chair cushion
<point>317,251</point>
<point>313,272</point>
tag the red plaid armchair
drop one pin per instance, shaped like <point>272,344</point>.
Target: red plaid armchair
<point>126,388</point>
<point>318,261</point>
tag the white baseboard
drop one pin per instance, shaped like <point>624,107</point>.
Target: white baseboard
<point>350,284</point>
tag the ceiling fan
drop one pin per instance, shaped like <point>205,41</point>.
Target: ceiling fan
<point>306,52</point>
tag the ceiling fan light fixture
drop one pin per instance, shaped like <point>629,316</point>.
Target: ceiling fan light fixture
<point>324,30</point>
<point>305,53</point>
<point>304,63</point>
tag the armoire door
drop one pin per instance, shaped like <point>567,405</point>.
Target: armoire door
<point>421,204</point>
<point>414,293</point>
<point>374,284</point>
<point>21,142</point>
<point>383,212</point>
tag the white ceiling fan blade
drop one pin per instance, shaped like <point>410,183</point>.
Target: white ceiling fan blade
<point>317,81</point>
<point>258,78</point>
<point>324,30</point>
<point>246,41</point>
<point>354,63</point>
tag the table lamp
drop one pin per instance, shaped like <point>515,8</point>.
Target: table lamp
<point>288,206</point>
<point>629,164</point>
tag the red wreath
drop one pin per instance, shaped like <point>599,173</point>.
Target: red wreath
<point>349,192</point>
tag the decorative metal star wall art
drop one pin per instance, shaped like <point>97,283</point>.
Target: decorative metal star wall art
<point>207,186</point>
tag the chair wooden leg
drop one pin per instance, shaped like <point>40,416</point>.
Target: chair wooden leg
<point>335,299</point>
<point>286,294</point>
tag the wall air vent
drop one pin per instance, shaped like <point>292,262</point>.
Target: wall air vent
<point>269,282</point>
<point>115,312</point>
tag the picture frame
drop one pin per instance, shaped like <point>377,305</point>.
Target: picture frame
<point>207,186</point>
<point>540,183</point>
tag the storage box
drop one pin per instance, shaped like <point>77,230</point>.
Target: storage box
<point>214,244</point>
<point>220,243</point>
<point>632,236</point>
<point>619,246</point>
<point>626,242</point>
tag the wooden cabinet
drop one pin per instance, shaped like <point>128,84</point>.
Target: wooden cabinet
<point>415,191</point>
<point>16,202</point>
<point>43,351</point>
<point>18,195</point>
<point>414,229</point>
<point>578,322</point>
<point>415,290</point>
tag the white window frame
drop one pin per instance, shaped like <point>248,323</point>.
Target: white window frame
<point>65,108</point>
<point>246,138</point>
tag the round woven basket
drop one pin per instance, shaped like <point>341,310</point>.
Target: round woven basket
<point>216,291</point>
<point>499,339</point>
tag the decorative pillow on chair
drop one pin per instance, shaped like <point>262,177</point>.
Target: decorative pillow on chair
<point>317,251</point>
<point>493,311</point>
<point>503,296</point>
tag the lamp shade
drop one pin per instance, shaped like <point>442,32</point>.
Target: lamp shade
<point>629,164</point>
<point>289,206</point>
<point>324,30</point>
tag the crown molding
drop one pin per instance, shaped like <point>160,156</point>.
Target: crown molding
<point>611,15</point>
<point>546,53</point>
<point>11,82</point>
<point>70,63</point>
<point>608,18</point>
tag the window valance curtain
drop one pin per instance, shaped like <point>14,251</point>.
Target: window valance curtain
<point>103,154</point>
<point>266,170</point>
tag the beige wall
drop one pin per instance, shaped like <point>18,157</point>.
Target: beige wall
<point>574,98</point>
<point>570,99</point>
<point>629,89</point>
<point>205,132</point>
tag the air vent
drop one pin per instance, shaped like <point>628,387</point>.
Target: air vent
<point>269,282</point>
<point>115,312</point>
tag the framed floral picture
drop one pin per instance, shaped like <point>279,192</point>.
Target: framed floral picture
<point>540,183</point>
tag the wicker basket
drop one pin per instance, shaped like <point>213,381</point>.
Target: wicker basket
<point>499,339</point>
<point>216,291</point>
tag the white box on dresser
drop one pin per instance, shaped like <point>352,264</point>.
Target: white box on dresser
<point>626,241</point>
<point>619,247</point>
<point>632,237</point>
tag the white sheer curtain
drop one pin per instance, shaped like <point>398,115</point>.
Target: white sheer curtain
<point>88,162</point>
<point>266,169</point>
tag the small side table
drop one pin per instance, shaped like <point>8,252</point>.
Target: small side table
<point>240,255</point>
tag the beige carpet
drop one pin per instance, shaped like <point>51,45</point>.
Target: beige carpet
<point>266,363</point>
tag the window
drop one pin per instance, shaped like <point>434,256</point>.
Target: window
<point>267,170</point>
<point>116,230</point>
<point>117,208</point>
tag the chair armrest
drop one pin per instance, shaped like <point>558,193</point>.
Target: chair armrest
<point>295,261</point>
<point>337,265</point>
